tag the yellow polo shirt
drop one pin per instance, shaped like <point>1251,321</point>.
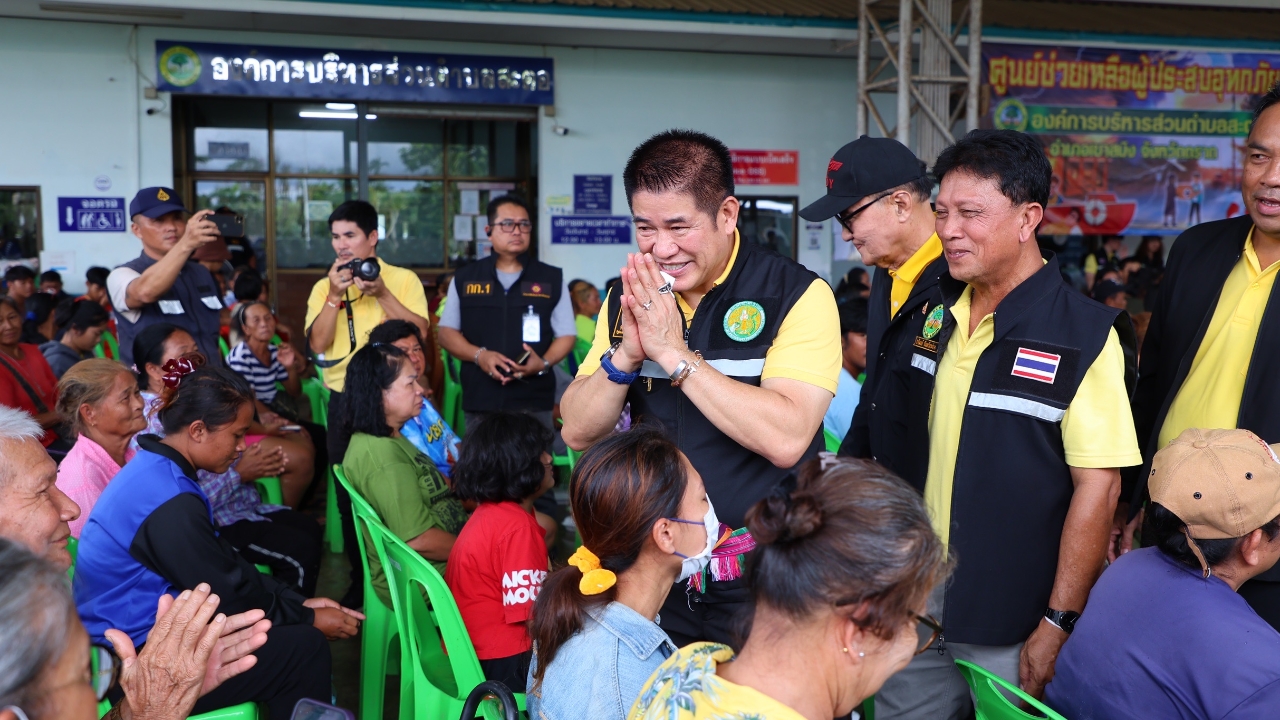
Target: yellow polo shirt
<point>366,314</point>
<point>807,347</point>
<point>905,277</point>
<point>1097,429</point>
<point>1210,396</point>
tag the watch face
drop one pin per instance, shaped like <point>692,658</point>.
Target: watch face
<point>1069,621</point>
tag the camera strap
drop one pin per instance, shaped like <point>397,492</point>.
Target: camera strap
<point>351,333</point>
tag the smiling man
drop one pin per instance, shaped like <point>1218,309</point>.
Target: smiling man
<point>1208,360</point>
<point>164,284</point>
<point>736,355</point>
<point>1027,429</point>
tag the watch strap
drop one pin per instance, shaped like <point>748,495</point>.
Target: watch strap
<point>612,372</point>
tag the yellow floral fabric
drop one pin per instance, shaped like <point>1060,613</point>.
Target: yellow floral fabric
<point>686,687</point>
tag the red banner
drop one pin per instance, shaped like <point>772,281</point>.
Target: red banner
<point>766,167</point>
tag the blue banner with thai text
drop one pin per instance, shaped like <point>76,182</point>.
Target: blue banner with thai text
<point>335,74</point>
<point>590,230</point>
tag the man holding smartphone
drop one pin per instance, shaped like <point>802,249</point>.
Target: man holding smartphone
<point>164,284</point>
<point>509,319</point>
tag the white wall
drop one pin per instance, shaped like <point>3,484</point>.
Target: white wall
<point>77,111</point>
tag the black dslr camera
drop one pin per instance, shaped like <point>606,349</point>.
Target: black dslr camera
<point>367,269</point>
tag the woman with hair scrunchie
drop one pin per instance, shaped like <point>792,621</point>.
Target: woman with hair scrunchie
<point>151,533</point>
<point>844,562</point>
<point>642,510</point>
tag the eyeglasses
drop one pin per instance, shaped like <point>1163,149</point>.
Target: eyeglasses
<point>510,226</point>
<point>846,219</point>
<point>928,630</point>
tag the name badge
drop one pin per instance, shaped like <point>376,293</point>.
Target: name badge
<point>532,326</point>
<point>171,307</point>
<point>211,302</point>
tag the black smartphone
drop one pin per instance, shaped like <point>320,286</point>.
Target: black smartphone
<point>315,710</point>
<point>522,360</point>
<point>229,226</point>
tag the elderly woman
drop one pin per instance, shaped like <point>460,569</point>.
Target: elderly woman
<point>844,563</point>
<point>81,324</point>
<point>151,533</point>
<point>99,401</point>
<point>640,507</point>
<point>428,431</point>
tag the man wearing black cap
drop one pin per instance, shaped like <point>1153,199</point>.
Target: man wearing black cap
<point>164,284</point>
<point>879,193</point>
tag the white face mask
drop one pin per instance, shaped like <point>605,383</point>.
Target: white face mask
<point>692,565</point>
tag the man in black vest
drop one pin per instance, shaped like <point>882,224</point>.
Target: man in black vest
<point>1208,357</point>
<point>879,193</point>
<point>736,354</point>
<point>502,308</point>
<point>1028,427</point>
<point>164,284</point>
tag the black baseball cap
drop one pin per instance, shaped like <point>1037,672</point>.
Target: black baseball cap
<point>864,167</point>
<point>155,201</point>
<point>1106,289</point>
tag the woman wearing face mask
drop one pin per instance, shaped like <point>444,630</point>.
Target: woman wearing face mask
<point>844,563</point>
<point>643,513</point>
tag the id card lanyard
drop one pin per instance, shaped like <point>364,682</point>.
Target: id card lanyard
<point>532,326</point>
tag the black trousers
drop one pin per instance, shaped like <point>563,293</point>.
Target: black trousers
<point>294,664</point>
<point>511,671</point>
<point>1264,598</point>
<point>289,544</point>
<point>722,614</point>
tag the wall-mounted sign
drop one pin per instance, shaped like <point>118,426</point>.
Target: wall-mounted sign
<point>593,194</point>
<point>590,230</point>
<point>327,74</point>
<point>92,214</point>
<point>766,167</point>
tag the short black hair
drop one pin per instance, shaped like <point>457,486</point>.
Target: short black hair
<point>853,316</point>
<point>491,211</point>
<point>371,371</point>
<point>51,276</point>
<point>682,161</point>
<point>363,214</point>
<point>921,188</point>
<point>1164,530</point>
<point>1264,101</point>
<point>248,286</point>
<point>501,458</point>
<point>390,331</point>
<point>38,309</point>
<point>1105,289</point>
<point>1015,160</point>
<point>96,275</point>
<point>80,314</point>
<point>210,394</point>
<point>19,272</point>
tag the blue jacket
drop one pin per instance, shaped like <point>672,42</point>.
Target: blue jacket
<point>599,673</point>
<point>152,533</point>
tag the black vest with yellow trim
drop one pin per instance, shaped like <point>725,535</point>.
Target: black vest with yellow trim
<point>494,318</point>
<point>734,327</point>
<point>1012,485</point>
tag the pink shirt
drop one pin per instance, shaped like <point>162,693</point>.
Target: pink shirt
<point>84,474</point>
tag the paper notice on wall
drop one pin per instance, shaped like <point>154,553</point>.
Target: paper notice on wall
<point>64,261</point>
<point>470,202</point>
<point>462,226</point>
<point>813,232</point>
<point>841,249</point>
<point>482,221</point>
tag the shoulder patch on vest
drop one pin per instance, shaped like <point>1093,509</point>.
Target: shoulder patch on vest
<point>477,288</point>
<point>744,321</point>
<point>535,290</point>
<point>1038,369</point>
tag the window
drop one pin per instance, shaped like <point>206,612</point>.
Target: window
<point>19,223</point>
<point>769,222</point>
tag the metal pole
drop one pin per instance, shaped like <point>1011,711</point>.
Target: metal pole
<point>864,38</point>
<point>362,149</point>
<point>904,72</point>
<point>975,64</point>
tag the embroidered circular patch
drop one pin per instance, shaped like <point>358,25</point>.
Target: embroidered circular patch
<point>745,321</point>
<point>933,323</point>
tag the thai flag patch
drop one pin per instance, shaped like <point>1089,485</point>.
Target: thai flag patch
<point>1036,365</point>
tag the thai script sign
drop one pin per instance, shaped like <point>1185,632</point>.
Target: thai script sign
<point>331,74</point>
<point>766,167</point>
<point>590,230</point>
<point>92,214</point>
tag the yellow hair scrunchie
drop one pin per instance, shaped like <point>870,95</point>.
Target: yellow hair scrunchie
<point>595,579</point>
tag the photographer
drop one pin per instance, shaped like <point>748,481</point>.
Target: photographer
<point>509,320</point>
<point>164,283</point>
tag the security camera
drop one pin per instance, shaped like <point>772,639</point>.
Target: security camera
<point>560,130</point>
<point>152,110</point>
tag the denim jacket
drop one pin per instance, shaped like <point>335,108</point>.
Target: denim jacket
<point>599,672</point>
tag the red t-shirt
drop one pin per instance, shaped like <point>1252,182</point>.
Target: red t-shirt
<point>495,571</point>
<point>36,371</point>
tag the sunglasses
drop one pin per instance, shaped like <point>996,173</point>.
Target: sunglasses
<point>846,219</point>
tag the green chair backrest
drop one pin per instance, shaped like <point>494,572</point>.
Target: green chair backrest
<point>440,657</point>
<point>222,346</point>
<point>318,394</point>
<point>833,442</point>
<point>992,704</point>
<point>270,491</point>
<point>364,516</point>
<point>72,549</point>
<point>451,404</point>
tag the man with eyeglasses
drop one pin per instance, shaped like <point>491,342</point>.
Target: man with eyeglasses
<point>509,319</point>
<point>879,193</point>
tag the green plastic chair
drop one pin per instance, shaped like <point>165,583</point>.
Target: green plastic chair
<point>833,442</point>
<point>107,346</point>
<point>992,704</point>
<point>451,404</point>
<point>270,491</point>
<point>73,547</point>
<point>440,667</point>
<point>318,394</point>
<point>246,711</point>
<point>379,632</point>
<point>868,709</point>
